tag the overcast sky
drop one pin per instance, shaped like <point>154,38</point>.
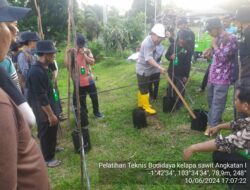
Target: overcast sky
<point>124,5</point>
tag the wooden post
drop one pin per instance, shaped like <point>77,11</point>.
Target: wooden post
<point>76,79</point>
<point>180,96</point>
<point>68,60</point>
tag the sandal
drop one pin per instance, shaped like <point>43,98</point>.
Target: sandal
<point>53,163</point>
<point>59,149</point>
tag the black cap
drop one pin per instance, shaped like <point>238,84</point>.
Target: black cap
<point>29,36</point>
<point>243,14</point>
<point>45,46</point>
<point>10,13</point>
<point>182,21</point>
<point>185,35</point>
<point>213,23</point>
<point>80,41</point>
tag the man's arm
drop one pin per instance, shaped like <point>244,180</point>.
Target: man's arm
<point>223,52</point>
<point>39,86</point>
<point>155,64</point>
<point>214,130</point>
<point>208,146</point>
<point>51,116</point>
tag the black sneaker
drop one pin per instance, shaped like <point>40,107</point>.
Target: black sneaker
<point>99,115</point>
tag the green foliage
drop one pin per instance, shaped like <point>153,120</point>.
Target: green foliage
<point>115,37</point>
<point>96,48</point>
<point>54,17</point>
<point>121,33</point>
<point>92,21</point>
<point>135,28</point>
<point>139,6</point>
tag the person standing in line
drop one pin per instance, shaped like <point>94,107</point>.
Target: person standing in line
<point>21,162</point>
<point>224,47</point>
<point>146,65</point>
<point>180,64</point>
<point>25,58</point>
<point>182,24</point>
<point>9,82</point>
<point>85,60</point>
<point>6,62</point>
<point>43,98</point>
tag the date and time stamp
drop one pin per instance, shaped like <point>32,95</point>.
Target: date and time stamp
<point>181,172</point>
<point>207,176</point>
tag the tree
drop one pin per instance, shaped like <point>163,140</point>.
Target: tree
<point>135,27</point>
<point>92,21</point>
<point>115,35</point>
<point>54,17</point>
<point>139,6</point>
<point>123,32</point>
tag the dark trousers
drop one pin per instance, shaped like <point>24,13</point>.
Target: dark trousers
<point>83,91</point>
<point>180,85</point>
<point>47,135</point>
<point>154,85</point>
<point>205,79</point>
<point>143,83</point>
<point>223,157</point>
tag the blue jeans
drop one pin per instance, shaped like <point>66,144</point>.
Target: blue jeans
<point>217,97</point>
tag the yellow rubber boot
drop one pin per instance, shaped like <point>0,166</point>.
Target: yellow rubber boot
<point>145,104</point>
<point>139,99</point>
<point>149,101</point>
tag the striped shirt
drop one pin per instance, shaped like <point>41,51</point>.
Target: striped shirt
<point>9,67</point>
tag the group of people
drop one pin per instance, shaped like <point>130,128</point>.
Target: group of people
<point>148,67</point>
<point>234,148</point>
<point>29,97</point>
<point>21,164</point>
<point>225,70</point>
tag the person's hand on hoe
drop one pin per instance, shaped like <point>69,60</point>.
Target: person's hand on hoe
<point>162,70</point>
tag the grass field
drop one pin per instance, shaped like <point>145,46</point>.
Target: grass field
<point>114,138</point>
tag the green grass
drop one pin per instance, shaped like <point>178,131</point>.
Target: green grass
<point>114,138</point>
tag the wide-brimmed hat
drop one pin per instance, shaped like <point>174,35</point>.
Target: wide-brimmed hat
<point>10,13</point>
<point>243,14</point>
<point>45,46</point>
<point>80,41</point>
<point>29,36</point>
<point>213,23</point>
<point>182,21</point>
<point>185,35</point>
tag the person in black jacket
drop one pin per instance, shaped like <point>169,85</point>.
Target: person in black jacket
<point>43,98</point>
<point>180,56</point>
